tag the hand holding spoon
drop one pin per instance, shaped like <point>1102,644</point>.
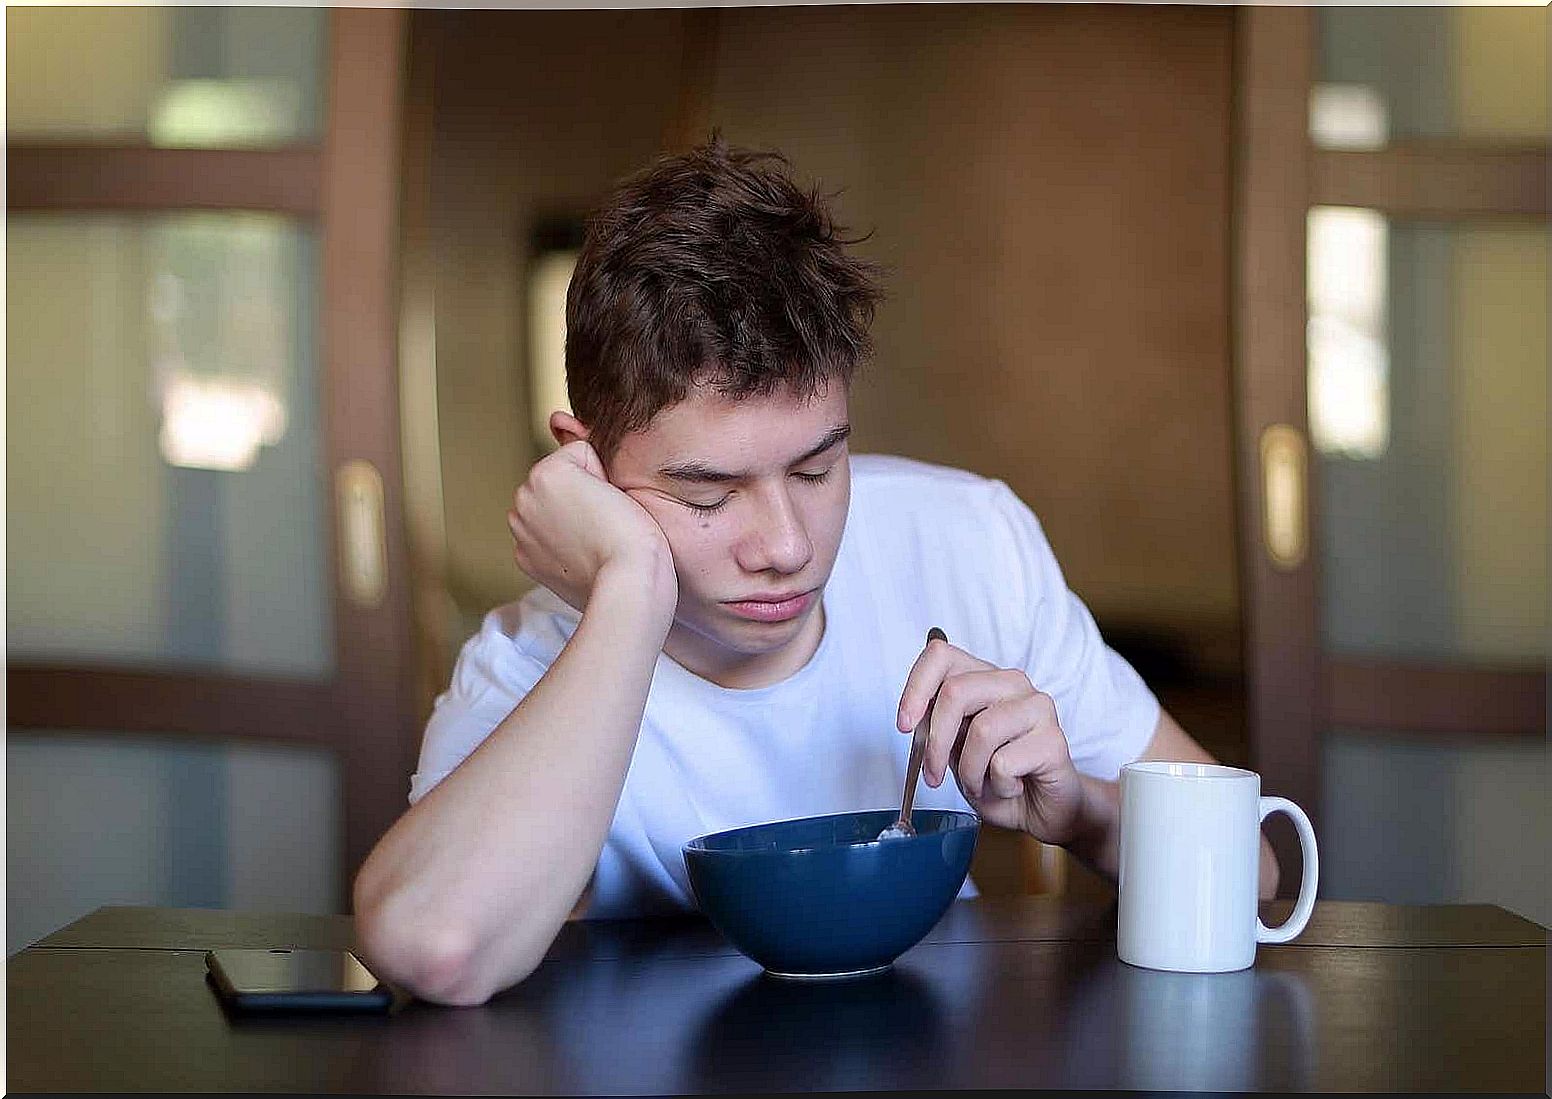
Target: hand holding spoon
<point>902,826</point>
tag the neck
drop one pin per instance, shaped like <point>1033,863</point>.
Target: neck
<point>744,671</point>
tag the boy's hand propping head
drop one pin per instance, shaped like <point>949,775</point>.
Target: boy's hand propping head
<point>569,523</point>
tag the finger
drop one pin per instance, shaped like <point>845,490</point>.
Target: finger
<point>961,697</point>
<point>580,453</point>
<point>936,662</point>
<point>921,683</point>
<point>977,769</point>
<point>517,525</point>
<point>987,733</point>
<point>1022,759</point>
<point>522,498</point>
<point>591,461</point>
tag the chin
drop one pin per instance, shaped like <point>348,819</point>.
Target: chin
<point>746,637</point>
<point>758,638</point>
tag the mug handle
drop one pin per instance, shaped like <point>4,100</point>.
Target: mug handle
<point>1306,902</point>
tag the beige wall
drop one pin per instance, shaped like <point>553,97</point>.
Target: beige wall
<point>1048,186</point>
<point>535,113</point>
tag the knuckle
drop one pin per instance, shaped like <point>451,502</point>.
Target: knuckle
<point>950,694</point>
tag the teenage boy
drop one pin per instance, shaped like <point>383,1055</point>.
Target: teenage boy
<point>731,608</point>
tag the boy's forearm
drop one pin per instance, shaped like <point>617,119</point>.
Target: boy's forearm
<point>468,889</point>
<point>1097,843</point>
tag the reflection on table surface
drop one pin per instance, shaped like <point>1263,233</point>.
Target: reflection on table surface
<point>999,996</point>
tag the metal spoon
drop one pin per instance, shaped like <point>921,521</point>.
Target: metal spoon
<point>902,826</point>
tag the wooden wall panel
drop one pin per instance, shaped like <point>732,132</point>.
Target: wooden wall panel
<point>1050,188</point>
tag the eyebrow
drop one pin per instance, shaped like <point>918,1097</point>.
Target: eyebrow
<point>701,473</point>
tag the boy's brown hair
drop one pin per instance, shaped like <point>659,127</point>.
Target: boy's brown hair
<point>710,267</point>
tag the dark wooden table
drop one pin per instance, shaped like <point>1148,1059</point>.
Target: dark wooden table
<point>1024,993</point>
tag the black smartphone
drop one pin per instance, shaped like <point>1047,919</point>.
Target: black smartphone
<point>295,980</point>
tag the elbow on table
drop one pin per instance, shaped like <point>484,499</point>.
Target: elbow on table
<point>434,960</point>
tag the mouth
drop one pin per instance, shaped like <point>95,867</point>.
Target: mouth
<point>775,607</point>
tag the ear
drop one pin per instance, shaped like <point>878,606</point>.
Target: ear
<point>567,428</point>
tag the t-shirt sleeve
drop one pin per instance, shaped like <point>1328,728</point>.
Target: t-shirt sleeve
<point>492,675</point>
<point>1106,710</point>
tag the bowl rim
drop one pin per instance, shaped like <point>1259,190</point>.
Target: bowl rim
<point>962,820</point>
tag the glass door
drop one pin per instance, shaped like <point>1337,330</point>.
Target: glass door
<point>203,462</point>
<point>1392,364</point>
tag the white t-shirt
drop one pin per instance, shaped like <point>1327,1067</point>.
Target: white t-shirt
<point>924,546</point>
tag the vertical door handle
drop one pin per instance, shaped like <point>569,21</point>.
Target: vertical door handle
<point>358,490</point>
<point>1284,496</point>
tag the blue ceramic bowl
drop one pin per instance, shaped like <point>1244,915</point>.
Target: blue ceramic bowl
<point>823,896</point>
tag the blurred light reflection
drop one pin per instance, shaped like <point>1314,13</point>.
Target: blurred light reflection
<point>1349,358</point>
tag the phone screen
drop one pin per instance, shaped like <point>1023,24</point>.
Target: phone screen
<point>296,979</point>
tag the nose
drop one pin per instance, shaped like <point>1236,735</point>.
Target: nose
<point>778,541</point>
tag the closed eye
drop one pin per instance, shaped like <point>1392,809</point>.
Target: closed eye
<point>711,509</point>
<point>708,509</point>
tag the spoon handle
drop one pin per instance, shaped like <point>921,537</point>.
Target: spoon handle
<point>918,744</point>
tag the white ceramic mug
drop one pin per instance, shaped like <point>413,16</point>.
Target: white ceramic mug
<point>1190,864</point>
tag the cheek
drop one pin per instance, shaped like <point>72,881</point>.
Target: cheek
<point>697,542</point>
<point>826,516</point>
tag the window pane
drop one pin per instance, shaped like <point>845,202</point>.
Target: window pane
<point>114,818</point>
<point>1429,820</point>
<point>1395,73</point>
<point>164,493</point>
<point>217,76</point>
<point>1428,410</point>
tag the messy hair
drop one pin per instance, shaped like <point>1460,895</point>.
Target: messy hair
<point>711,267</point>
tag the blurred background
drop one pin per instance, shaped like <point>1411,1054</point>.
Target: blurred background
<point>1249,304</point>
